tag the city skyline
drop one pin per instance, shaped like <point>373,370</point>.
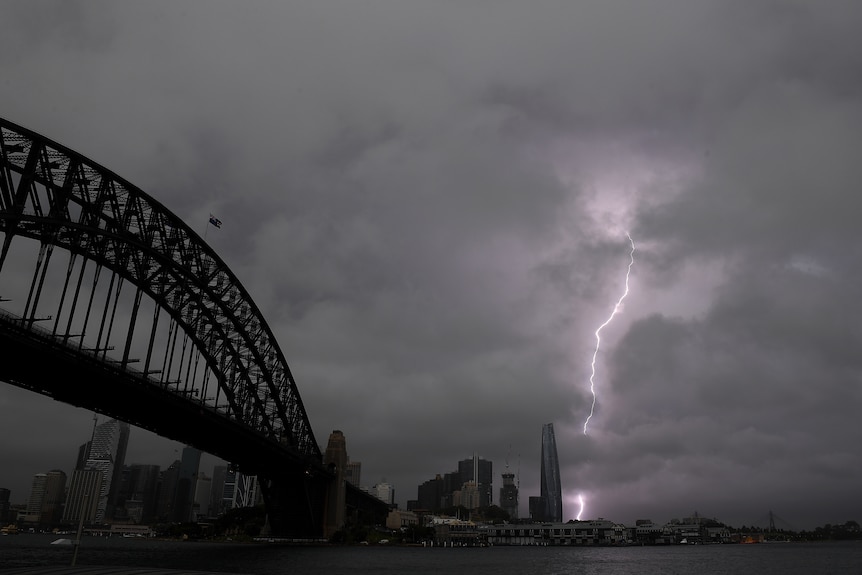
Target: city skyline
<point>245,488</point>
<point>429,204</point>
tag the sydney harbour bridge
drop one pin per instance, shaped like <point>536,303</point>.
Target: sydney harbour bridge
<point>110,302</point>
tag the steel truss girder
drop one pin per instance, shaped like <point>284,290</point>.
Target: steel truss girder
<point>60,198</point>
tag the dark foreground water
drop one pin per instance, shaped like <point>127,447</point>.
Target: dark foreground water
<point>268,559</point>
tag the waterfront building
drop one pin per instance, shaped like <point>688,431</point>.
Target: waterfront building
<point>454,532</point>
<point>585,533</point>
<point>550,485</point>
<point>400,519</point>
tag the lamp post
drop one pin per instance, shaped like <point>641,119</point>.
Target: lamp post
<point>86,500</point>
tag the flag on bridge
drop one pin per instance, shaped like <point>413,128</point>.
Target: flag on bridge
<point>215,221</point>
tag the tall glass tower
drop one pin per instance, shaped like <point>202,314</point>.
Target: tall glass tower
<point>106,452</point>
<point>551,488</point>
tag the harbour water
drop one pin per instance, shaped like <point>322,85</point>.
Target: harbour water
<point>30,550</point>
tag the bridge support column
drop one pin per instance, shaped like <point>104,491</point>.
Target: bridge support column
<point>295,503</point>
<point>335,459</point>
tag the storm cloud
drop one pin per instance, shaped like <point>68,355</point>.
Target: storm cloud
<point>429,203</point>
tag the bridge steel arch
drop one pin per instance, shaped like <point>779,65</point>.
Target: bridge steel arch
<point>57,198</point>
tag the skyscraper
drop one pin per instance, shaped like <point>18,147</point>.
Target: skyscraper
<point>203,491</point>
<point>140,492</point>
<point>106,452</point>
<point>55,497</point>
<point>184,495</point>
<point>216,505</point>
<point>551,488</point>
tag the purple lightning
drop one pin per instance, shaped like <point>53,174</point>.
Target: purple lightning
<point>598,331</point>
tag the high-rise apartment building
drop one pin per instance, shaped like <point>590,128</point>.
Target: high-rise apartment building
<point>551,489</point>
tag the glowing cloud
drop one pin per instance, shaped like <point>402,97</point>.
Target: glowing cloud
<point>617,309</point>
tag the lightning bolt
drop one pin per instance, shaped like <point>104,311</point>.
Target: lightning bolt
<point>601,327</point>
<point>581,510</point>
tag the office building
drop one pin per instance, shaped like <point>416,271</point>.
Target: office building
<point>51,511</point>
<point>203,492</point>
<point>384,492</point>
<point>470,486</point>
<point>139,493</point>
<point>240,490</point>
<point>354,472</point>
<point>430,494</point>
<point>187,478</point>
<point>480,472</point>
<point>165,505</point>
<point>216,506</point>
<point>83,498</point>
<point>106,452</point>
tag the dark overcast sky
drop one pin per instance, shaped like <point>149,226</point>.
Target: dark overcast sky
<point>429,201</point>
